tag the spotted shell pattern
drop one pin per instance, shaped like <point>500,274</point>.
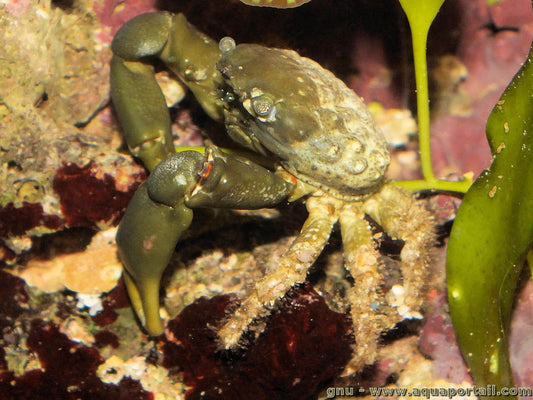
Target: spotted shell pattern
<point>321,130</point>
<point>276,3</point>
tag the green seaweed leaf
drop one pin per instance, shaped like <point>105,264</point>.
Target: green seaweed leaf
<point>491,236</point>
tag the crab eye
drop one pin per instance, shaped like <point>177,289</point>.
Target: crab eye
<point>226,44</point>
<point>264,107</point>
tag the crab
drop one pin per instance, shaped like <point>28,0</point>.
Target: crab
<point>314,140</point>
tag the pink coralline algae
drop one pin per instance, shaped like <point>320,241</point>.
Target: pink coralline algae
<point>304,345</point>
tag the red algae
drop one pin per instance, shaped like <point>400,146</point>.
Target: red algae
<point>68,371</point>
<point>105,317</point>
<point>104,338</point>
<point>13,298</point>
<point>115,299</point>
<point>87,198</point>
<point>303,346</point>
<point>18,220</point>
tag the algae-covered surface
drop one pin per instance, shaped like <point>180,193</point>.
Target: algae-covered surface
<point>60,164</point>
<point>65,177</point>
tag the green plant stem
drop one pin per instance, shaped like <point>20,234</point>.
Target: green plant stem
<point>420,14</point>
<point>437,185</point>
<point>422,102</point>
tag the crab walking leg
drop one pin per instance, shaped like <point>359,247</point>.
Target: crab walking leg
<point>292,269</point>
<point>361,259</point>
<point>402,217</point>
<point>162,209</point>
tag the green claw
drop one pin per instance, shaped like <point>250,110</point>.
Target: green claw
<point>138,99</point>
<point>146,239</point>
<point>161,210</point>
<point>141,108</point>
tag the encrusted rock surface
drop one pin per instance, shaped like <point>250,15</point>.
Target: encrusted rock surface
<point>64,176</point>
